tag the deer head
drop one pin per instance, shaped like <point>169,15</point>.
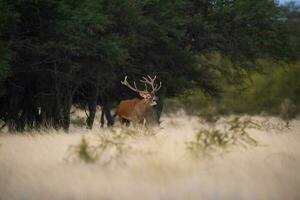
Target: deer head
<point>148,96</point>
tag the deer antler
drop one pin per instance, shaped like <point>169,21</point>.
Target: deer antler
<point>125,82</point>
<point>151,82</point>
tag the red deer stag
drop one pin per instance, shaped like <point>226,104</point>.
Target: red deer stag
<point>134,110</point>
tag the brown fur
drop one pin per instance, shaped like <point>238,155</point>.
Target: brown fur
<point>133,109</point>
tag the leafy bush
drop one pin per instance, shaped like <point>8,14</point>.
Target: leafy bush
<point>109,147</point>
<point>273,88</point>
<point>211,138</point>
<point>83,151</point>
<point>266,91</point>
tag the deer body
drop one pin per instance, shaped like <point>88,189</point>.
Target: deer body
<point>134,110</point>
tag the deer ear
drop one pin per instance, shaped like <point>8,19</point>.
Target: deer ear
<point>143,94</point>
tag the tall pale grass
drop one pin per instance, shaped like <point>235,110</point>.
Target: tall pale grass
<point>153,163</point>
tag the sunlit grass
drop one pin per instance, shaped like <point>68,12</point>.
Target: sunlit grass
<point>187,157</point>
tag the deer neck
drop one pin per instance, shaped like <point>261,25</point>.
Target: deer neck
<point>144,105</point>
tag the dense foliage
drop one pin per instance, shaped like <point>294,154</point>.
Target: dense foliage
<point>273,91</point>
<point>59,53</point>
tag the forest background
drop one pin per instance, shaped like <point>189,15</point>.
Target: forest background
<point>213,57</point>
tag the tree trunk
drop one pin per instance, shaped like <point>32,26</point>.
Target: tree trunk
<point>92,105</point>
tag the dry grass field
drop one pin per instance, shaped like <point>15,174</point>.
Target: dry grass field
<point>185,158</point>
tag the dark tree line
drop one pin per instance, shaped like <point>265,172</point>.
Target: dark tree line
<point>55,54</point>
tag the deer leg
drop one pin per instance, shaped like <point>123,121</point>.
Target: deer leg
<point>144,122</point>
<point>127,122</point>
<point>124,121</point>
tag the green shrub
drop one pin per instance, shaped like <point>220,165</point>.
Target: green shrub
<point>266,91</point>
<point>274,88</point>
<point>211,138</point>
<point>192,101</point>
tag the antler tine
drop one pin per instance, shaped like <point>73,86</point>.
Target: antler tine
<point>151,82</point>
<point>157,87</point>
<point>145,80</point>
<point>148,80</point>
<point>134,85</point>
<point>151,79</point>
<point>125,82</point>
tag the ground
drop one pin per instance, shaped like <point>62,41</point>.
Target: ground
<point>152,164</point>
